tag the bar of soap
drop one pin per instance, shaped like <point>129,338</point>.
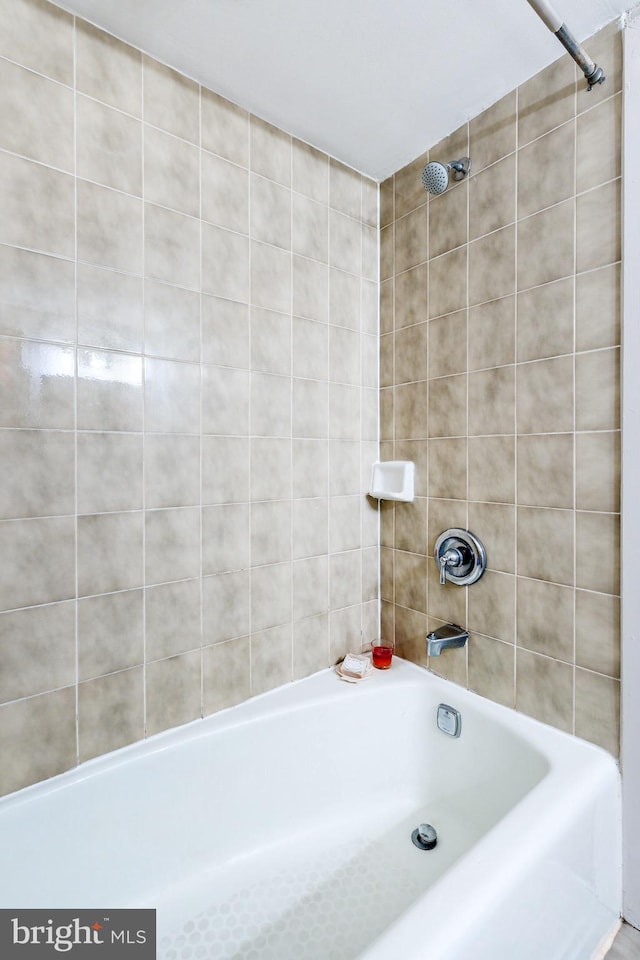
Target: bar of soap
<point>354,665</point>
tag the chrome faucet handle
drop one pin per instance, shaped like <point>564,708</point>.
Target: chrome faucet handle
<point>450,558</point>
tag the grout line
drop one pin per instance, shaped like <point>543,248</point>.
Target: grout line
<point>75,389</point>
<point>144,423</point>
<point>515,405</point>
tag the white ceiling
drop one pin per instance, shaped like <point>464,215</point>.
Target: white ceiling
<point>372,82</point>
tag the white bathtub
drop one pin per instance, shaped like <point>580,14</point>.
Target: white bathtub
<point>280,830</point>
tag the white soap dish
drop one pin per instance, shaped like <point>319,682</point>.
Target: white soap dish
<point>393,480</point>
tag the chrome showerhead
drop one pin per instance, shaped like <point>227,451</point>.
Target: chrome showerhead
<point>435,176</point>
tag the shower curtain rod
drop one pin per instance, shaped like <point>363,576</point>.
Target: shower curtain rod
<point>593,73</point>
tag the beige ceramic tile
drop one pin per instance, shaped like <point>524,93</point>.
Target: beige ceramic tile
<point>544,396</point>
<point>448,469</point>
<point>171,248</point>
<point>545,470</point>
<point>225,332</point>
<point>171,101</point>
<point>36,385</point>
<point>546,544</point>
<point>492,266</point>
<point>598,144</point>
<point>43,484</point>
<point>225,193</point>
<point>598,308</point>
<point>36,206</point>
<point>345,632</point>
<point>310,468</point>
<point>409,629</point>
<point>109,391</point>
<point>492,331</point>
<point>109,472</point>
<point>171,172</point>
<point>226,674</point>
<point>225,128</point>
<point>495,524</point>
<point>406,189</point>
<point>492,469</point>
<point>225,401</point>
<point>310,228</point>
<point>310,587</point>
<point>492,606</point>
<point>548,238</point>
<point>598,632</point>
<point>108,70</point>
<point>40,36</point>
<point>491,669</point>
<point>225,538</point>
<point>386,202</point>
<point>225,263</point>
<point>270,212</point>
<point>171,396</point>
<point>172,692</point>
<point>411,353</point>
<point>447,221</point>
<point>109,228</point>
<point>387,296</point>
<point>411,527</point>
<point>447,283</point>
<point>310,172</point>
<point>42,561</point>
<point>447,353</point>
<point>344,299</point>
<point>411,296</point>
<point>270,277</point>
<point>310,527</point>
<point>172,544</point>
<point>110,633</point>
<point>110,311</point>
<point>171,321</point>
<point>270,469</point>
<point>37,295</point>
<point>492,401</point>
<point>598,390</point>
<point>270,596</point>
<point>172,618</point>
<point>545,618</point>
<point>110,712</point>
<point>270,532</point>
<point>108,146</point>
<point>109,552</point>
<point>270,151</point>
<point>547,100</point>
<point>492,134</point>
<point>310,646</point>
<point>598,710</point>
<point>492,198</point>
<point>345,579</point>
<point>545,320</point>
<point>37,650</point>
<point>410,574</point>
<point>542,180</point>
<point>345,189</point>
<point>598,471</point>
<point>544,689</point>
<point>411,411</point>
<point>448,406</point>
<point>226,606</point>
<point>37,738</point>
<point>597,537</point>
<point>598,234</point>
<point>36,117</point>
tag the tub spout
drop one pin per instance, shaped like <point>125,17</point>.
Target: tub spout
<point>451,635</point>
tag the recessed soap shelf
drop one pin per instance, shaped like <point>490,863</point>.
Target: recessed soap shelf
<point>393,480</point>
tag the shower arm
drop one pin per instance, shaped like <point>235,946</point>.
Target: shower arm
<point>593,73</point>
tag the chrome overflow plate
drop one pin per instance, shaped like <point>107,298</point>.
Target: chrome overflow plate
<point>461,558</point>
<point>424,837</point>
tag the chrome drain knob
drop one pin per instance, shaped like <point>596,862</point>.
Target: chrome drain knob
<point>425,837</point>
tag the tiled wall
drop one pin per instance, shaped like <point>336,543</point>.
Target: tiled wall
<point>500,333</point>
<point>188,399</point>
